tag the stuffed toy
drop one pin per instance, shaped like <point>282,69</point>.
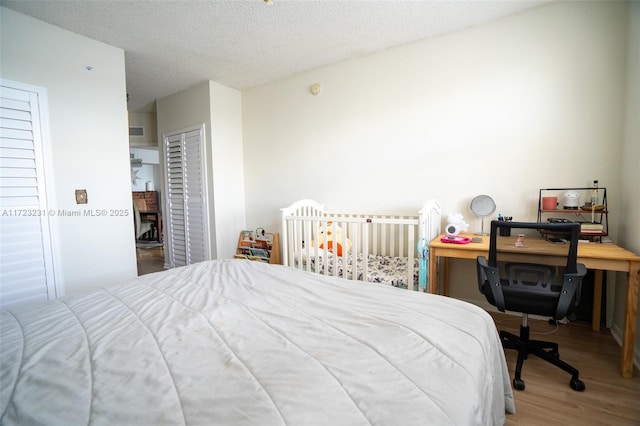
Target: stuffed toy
<point>326,235</point>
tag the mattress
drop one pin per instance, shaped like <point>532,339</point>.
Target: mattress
<point>235,342</point>
<point>390,270</point>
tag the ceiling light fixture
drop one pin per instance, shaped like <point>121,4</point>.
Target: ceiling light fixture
<point>269,2</point>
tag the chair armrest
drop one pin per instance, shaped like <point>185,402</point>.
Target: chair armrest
<point>493,277</point>
<point>570,293</point>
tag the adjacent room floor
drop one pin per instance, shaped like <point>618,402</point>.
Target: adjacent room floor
<point>150,259</point>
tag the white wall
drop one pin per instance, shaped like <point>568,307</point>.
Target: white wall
<point>523,103</point>
<point>89,142</point>
<point>227,166</point>
<point>629,225</point>
<point>531,101</point>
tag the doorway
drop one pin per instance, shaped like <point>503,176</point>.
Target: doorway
<point>146,195</point>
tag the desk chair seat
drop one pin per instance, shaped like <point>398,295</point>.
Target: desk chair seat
<point>533,289</point>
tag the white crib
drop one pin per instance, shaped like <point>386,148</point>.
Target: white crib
<point>390,249</point>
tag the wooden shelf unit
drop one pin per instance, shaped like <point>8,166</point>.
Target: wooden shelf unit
<point>273,249</point>
<point>582,216</point>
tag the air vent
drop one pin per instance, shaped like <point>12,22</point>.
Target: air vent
<point>136,131</point>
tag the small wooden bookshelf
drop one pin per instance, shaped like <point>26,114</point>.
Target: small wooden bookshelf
<point>262,248</point>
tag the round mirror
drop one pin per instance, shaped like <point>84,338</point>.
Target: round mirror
<point>483,206</point>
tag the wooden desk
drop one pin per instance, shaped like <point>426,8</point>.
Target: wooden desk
<point>605,256</point>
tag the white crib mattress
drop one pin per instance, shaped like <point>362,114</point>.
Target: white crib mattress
<point>390,270</point>
<point>237,342</point>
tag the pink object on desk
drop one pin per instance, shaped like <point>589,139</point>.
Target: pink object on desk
<point>454,239</point>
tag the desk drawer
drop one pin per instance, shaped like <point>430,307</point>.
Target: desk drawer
<point>150,206</point>
<point>151,195</point>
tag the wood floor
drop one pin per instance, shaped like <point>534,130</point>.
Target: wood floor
<point>548,400</point>
<point>150,260</point>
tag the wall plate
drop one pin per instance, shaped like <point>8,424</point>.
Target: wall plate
<point>81,196</point>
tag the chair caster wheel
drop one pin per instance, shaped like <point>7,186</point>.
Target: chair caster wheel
<point>577,385</point>
<point>519,384</point>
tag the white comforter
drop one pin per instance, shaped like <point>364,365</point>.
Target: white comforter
<point>239,342</point>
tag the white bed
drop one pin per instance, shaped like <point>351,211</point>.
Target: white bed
<point>384,249</point>
<point>236,342</point>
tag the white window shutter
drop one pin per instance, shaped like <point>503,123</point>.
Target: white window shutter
<point>195,196</point>
<point>26,260</point>
<point>175,199</point>
<point>187,223</point>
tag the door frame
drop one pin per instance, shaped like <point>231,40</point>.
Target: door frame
<point>44,164</point>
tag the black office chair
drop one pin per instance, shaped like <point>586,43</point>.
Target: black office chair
<point>530,289</point>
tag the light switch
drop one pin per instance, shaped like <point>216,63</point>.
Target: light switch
<point>81,196</point>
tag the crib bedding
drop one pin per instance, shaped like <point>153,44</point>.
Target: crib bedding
<point>390,270</point>
<point>237,342</point>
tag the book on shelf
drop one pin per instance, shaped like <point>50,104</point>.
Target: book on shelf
<point>260,244</point>
<point>267,237</point>
<point>247,241</point>
<point>245,251</point>
<point>258,252</point>
<point>591,227</point>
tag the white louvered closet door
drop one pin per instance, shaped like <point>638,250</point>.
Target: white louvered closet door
<point>186,218</point>
<point>26,259</point>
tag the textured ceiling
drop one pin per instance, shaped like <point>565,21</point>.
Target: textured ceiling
<point>172,45</point>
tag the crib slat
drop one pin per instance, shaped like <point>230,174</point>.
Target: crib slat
<point>411,247</point>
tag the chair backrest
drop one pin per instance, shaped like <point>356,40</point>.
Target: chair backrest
<point>523,278</point>
<point>530,275</point>
<point>571,229</point>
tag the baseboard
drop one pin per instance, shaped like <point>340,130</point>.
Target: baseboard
<point>617,334</point>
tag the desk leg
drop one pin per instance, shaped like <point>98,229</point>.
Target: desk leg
<point>597,300</point>
<point>432,285</point>
<point>445,275</point>
<point>628,339</point>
